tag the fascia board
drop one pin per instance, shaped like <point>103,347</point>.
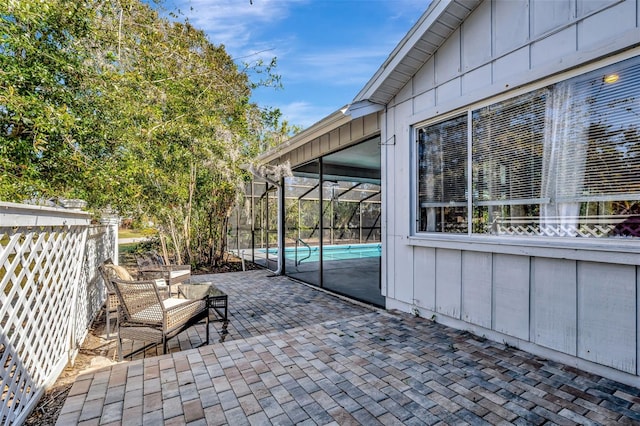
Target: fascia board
<point>362,108</point>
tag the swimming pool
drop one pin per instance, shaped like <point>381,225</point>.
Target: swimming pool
<point>335,252</point>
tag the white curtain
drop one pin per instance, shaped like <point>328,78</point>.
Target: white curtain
<point>564,157</point>
<point>433,180</point>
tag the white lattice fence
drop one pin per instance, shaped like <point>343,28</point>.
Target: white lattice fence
<point>580,226</point>
<point>48,296</point>
<point>92,290</point>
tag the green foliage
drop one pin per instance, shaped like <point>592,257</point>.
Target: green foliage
<point>44,102</point>
<point>109,102</point>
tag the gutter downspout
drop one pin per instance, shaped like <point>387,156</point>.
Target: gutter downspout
<point>279,186</point>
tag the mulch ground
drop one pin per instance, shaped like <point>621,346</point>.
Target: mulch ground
<point>94,354</point>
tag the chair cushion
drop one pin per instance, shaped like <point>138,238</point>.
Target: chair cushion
<point>121,272</point>
<point>179,273</point>
<point>179,311</point>
<point>172,302</point>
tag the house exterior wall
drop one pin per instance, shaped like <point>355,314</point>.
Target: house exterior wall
<point>574,301</point>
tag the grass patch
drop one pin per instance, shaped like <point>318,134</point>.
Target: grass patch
<point>136,233</point>
<point>127,248</point>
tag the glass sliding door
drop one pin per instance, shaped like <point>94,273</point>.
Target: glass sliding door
<point>351,246</point>
<point>332,212</point>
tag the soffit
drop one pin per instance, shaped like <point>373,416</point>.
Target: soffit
<point>322,127</point>
<point>335,132</point>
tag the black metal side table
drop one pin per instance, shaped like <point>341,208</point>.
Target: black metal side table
<point>217,300</point>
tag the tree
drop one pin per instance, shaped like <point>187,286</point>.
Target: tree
<point>110,102</point>
<point>45,105</point>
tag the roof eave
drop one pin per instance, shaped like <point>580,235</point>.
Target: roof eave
<point>440,19</point>
<point>407,42</point>
<point>320,128</point>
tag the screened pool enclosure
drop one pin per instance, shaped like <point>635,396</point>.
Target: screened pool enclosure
<point>332,220</point>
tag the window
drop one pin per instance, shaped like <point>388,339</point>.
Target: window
<point>560,161</point>
<point>508,140</point>
<point>442,157</point>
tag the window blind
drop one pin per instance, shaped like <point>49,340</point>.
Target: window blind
<point>612,142</point>
<point>442,163</point>
<point>507,146</point>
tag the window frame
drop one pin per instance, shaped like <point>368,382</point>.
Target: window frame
<point>565,241</point>
<point>442,204</point>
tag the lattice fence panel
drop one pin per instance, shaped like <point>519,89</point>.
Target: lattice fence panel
<point>592,227</point>
<point>39,269</point>
<point>92,294</point>
<point>49,294</point>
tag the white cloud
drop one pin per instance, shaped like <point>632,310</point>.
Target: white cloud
<point>316,72</point>
<point>303,113</point>
<point>346,66</point>
<point>231,22</point>
<point>239,25</point>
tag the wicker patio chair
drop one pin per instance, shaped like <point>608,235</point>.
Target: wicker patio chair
<point>146,316</point>
<point>152,266</point>
<point>111,272</point>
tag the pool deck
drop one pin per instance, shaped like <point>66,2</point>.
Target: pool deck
<point>297,355</point>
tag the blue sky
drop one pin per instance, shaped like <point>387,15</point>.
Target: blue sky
<point>326,49</point>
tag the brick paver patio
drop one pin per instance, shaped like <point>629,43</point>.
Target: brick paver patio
<point>296,355</point>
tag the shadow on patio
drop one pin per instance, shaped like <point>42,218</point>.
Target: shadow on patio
<point>294,354</point>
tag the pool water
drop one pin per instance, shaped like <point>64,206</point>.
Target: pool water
<point>336,252</point>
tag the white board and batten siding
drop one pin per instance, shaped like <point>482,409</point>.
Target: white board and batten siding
<point>579,308</point>
<point>577,303</point>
